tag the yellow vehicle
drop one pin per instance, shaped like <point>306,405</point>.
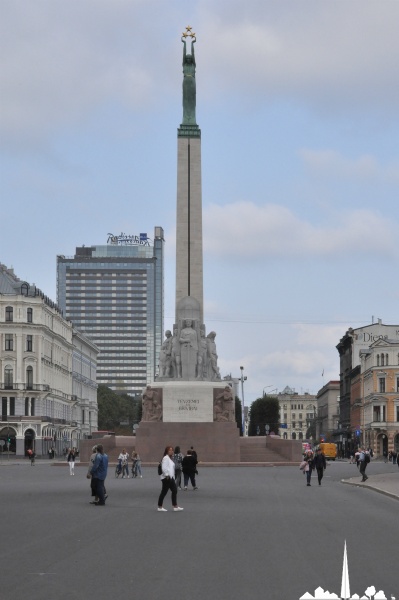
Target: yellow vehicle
<point>329,450</point>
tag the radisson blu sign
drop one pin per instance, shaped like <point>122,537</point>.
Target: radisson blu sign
<point>128,240</point>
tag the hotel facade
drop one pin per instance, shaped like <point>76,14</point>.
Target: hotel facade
<point>114,294</point>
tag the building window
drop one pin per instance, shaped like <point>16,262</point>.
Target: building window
<point>293,435</point>
<point>12,407</point>
<point>381,385</point>
<point>293,424</point>
<point>379,414</point>
<point>26,407</point>
<point>286,414</point>
<point>29,343</point>
<point>29,378</point>
<point>397,413</point>
<point>397,384</point>
<point>9,313</point>
<point>8,378</point>
<point>300,436</point>
<point>300,416</point>
<point>83,415</point>
<point>9,342</point>
<point>382,360</point>
<point>4,406</point>
<point>32,407</point>
<point>378,360</point>
<point>29,314</point>
<point>300,424</point>
<point>293,416</point>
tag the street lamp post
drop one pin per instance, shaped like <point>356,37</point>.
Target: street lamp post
<point>242,379</point>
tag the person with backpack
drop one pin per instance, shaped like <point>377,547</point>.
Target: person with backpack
<point>178,460</point>
<point>364,460</point>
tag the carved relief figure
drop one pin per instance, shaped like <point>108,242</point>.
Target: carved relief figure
<point>176,359</point>
<point>202,368</point>
<point>189,350</point>
<point>152,408</point>
<point>224,405</point>
<point>165,356</point>
<point>213,369</point>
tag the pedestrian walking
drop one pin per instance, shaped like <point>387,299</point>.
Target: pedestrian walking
<point>71,460</point>
<point>178,460</point>
<point>31,455</point>
<point>319,464</point>
<point>99,473</point>
<point>89,476</point>
<point>308,459</point>
<point>364,459</point>
<point>189,468</point>
<point>168,480</point>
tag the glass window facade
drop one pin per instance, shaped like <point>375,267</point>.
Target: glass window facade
<point>115,295</point>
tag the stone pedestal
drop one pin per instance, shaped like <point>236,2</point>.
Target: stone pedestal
<point>188,413</point>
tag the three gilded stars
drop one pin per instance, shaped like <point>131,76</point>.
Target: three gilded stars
<point>189,32</point>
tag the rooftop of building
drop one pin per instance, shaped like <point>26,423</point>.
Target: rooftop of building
<point>11,285</point>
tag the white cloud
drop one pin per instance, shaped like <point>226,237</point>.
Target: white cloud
<point>243,230</point>
<point>365,168</point>
<point>63,60</point>
<point>329,54</point>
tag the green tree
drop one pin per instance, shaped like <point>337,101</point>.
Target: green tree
<point>117,412</point>
<point>264,411</point>
<point>238,411</point>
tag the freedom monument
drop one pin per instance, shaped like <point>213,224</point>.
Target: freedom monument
<point>188,404</point>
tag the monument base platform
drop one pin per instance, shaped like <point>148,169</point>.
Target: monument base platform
<point>213,442</point>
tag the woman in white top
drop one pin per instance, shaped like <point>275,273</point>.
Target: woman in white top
<point>168,480</point>
<point>123,458</point>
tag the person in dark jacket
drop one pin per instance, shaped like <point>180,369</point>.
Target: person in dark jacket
<point>99,472</point>
<point>189,467</point>
<point>319,464</point>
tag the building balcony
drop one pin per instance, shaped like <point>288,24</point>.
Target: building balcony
<point>25,387</point>
<point>377,425</point>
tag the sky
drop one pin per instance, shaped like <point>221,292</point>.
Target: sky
<point>298,104</point>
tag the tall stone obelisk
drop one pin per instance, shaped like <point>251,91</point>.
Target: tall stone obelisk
<point>188,401</point>
<point>189,262</point>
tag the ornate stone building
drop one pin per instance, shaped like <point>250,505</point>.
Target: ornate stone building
<point>379,400</point>
<point>350,431</point>
<point>297,411</point>
<point>48,373</point>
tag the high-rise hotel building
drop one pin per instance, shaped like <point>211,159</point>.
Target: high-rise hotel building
<point>114,294</point>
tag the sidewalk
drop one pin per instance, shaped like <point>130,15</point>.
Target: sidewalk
<point>387,483</point>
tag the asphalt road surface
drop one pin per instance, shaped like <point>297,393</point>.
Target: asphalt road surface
<point>248,532</point>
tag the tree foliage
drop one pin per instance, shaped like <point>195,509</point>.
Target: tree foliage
<point>117,412</point>
<point>238,411</point>
<point>264,411</point>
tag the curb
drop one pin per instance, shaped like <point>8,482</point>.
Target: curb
<point>370,487</point>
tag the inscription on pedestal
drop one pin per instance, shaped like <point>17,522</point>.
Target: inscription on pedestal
<point>193,405</point>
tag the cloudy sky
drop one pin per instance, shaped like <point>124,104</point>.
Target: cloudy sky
<point>298,103</point>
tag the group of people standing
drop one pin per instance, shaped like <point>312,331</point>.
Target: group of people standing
<point>173,465</point>
<point>123,464</point>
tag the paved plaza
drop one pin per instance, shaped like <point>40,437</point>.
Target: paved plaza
<point>248,532</point>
